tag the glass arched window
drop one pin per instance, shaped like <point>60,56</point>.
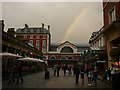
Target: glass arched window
<point>70,58</point>
<point>63,58</point>
<point>52,58</point>
<point>66,50</point>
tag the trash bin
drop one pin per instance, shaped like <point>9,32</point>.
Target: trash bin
<point>47,74</point>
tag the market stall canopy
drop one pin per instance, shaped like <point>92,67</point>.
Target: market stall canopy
<point>97,48</point>
<point>9,55</point>
<point>30,59</point>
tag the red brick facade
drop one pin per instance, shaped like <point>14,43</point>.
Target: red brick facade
<point>41,39</point>
<point>58,57</point>
<point>107,6</point>
<point>38,37</point>
<point>111,29</point>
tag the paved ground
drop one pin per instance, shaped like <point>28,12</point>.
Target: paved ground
<point>37,80</point>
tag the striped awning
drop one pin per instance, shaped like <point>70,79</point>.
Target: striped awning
<point>97,48</point>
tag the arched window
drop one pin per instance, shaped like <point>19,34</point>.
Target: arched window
<point>63,58</point>
<point>66,50</point>
<point>52,58</point>
<point>70,58</point>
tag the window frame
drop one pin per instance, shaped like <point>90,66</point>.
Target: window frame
<point>110,15</point>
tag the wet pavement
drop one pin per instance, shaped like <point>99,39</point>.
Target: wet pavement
<point>37,80</point>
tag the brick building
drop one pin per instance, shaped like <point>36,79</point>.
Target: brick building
<point>108,36</point>
<point>38,37</point>
<point>65,53</point>
<point>12,45</point>
<point>111,12</point>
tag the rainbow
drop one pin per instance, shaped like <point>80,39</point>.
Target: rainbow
<point>72,25</point>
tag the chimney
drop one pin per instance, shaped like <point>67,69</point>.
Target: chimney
<point>42,25</point>
<point>48,27</point>
<point>2,25</point>
<point>11,31</point>
<point>26,26</point>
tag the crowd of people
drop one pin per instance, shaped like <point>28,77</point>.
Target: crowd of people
<point>78,72</point>
<point>91,72</point>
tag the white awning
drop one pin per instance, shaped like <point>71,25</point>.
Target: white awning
<point>30,59</point>
<point>8,55</point>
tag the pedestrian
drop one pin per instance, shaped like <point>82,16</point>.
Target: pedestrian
<point>19,73</point>
<point>65,69</point>
<point>82,75</point>
<point>45,67</point>
<point>109,74</point>
<point>11,74</point>
<point>77,73</point>
<point>117,87</point>
<point>70,72</point>
<point>87,70</point>
<point>47,74</point>
<point>90,76</point>
<point>95,75</point>
<point>114,72</point>
<point>55,69</point>
<point>58,69</point>
<point>74,70</point>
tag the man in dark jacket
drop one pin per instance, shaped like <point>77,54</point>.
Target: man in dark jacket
<point>19,73</point>
<point>58,69</point>
<point>77,72</point>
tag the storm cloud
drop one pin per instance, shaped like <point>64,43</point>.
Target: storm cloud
<point>73,21</point>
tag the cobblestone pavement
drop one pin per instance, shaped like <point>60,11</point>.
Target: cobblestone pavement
<point>37,80</point>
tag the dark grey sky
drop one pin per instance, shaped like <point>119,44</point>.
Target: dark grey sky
<point>68,20</point>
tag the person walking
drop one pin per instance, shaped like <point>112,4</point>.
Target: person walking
<point>90,76</point>
<point>74,70</point>
<point>65,69</point>
<point>45,67</point>
<point>95,75</point>
<point>82,75</point>
<point>114,72</point>
<point>19,73</point>
<point>70,72</point>
<point>12,74</point>
<point>87,70</point>
<point>58,69</point>
<point>77,73</point>
<point>55,69</point>
<point>117,85</point>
